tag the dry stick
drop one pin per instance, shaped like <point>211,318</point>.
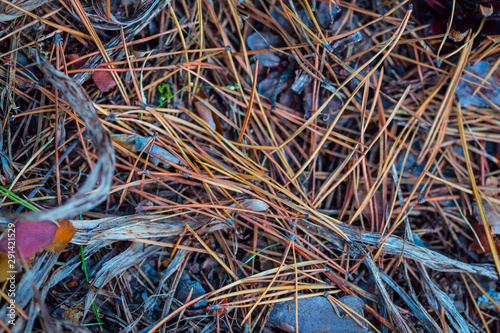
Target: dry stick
<point>475,190</point>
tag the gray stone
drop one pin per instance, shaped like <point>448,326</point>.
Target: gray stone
<point>316,314</point>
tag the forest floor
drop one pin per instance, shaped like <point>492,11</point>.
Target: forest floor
<point>249,166</point>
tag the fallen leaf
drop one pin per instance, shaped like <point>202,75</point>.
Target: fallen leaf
<point>491,182</point>
<point>73,283</point>
<point>267,86</point>
<point>78,63</point>
<point>29,237</point>
<point>481,235</point>
<point>263,40</point>
<point>302,80</point>
<point>268,59</point>
<point>103,79</point>
<point>64,234</point>
<point>492,213</point>
<point>72,314</point>
<point>206,114</point>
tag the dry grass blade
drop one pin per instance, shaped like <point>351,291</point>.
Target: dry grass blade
<point>97,186</point>
<point>397,246</point>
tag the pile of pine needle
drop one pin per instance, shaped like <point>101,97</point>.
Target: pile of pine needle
<point>218,157</point>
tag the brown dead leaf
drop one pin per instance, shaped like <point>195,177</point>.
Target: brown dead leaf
<point>78,63</point>
<point>206,114</point>
<point>481,235</point>
<point>137,144</point>
<point>256,205</point>
<point>30,237</point>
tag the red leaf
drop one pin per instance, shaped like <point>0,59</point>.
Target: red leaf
<point>78,63</point>
<point>479,229</point>
<point>29,237</point>
<point>103,79</point>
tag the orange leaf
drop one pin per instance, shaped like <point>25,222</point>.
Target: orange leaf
<point>29,237</point>
<point>64,234</point>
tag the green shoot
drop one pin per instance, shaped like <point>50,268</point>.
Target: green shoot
<point>94,306</point>
<point>166,95</point>
<point>14,197</point>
